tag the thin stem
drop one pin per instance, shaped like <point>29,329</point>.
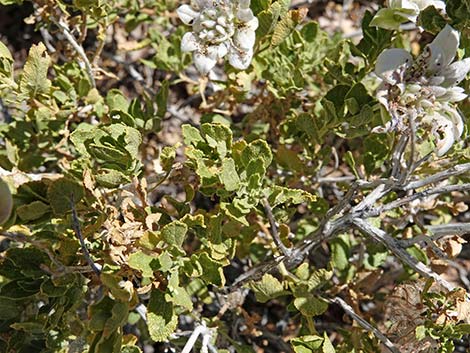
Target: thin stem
<point>274,232</point>
<point>364,324</point>
<point>78,233</point>
<point>78,48</point>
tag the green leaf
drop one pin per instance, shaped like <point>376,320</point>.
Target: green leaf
<point>6,202</point>
<point>174,233</point>
<point>309,305</point>
<point>229,176</point>
<point>11,2</point>
<point>212,271</point>
<point>307,344</point>
<point>431,20</point>
<point>281,195</point>
<point>340,253</point>
<point>111,178</point>
<point>420,332</point>
<point>178,295</point>
<point>191,135</point>
<point>116,100</point>
<point>374,40</point>
<point>141,261</point>
<point>267,288</point>
<point>458,10</point>
<point>6,61</point>
<point>162,98</point>
<point>463,329</point>
<point>161,317</point>
<point>9,309</point>
<point>60,194</point>
<point>219,137</point>
<point>34,81</point>
<point>257,149</point>
<point>282,29</point>
<point>418,254</point>
<point>327,346</point>
<point>32,211</point>
<point>390,18</point>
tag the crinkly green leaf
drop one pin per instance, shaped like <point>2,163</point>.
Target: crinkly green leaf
<point>257,149</point>
<point>116,100</point>
<point>267,288</point>
<point>212,270</point>
<point>191,135</point>
<point>431,20</point>
<point>281,195</point>
<point>219,137</point>
<point>327,346</point>
<point>389,18</point>
<point>229,176</point>
<point>310,305</point>
<point>62,192</point>
<point>34,81</point>
<point>142,262</point>
<point>32,211</point>
<point>307,344</point>
<point>174,233</point>
<point>161,317</point>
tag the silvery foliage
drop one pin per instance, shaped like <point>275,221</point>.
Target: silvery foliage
<point>410,9</point>
<point>219,28</point>
<point>424,90</point>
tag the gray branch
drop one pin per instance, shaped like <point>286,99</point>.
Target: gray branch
<point>392,244</point>
<point>78,48</point>
<point>364,324</point>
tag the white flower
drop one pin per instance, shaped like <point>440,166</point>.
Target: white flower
<point>424,89</point>
<point>412,8</point>
<point>220,28</point>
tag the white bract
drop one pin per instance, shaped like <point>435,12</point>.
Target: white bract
<point>219,28</point>
<point>412,8</point>
<point>424,90</point>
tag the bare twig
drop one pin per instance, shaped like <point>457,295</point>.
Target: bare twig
<point>392,245</point>
<point>441,230</point>
<point>435,178</point>
<point>437,232</point>
<point>419,195</point>
<point>397,157</point>
<point>412,142</point>
<point>200,330</point>
<point>364,324</point>
<point>78,233</point>
<point>78,48</point>
<point>269,212</point>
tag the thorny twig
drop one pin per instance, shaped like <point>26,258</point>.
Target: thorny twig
<point>78,233</point>
<point>364,324</point>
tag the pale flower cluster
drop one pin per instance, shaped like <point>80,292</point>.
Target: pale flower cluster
<point>412,8</point>
<point>219,28</point>
<point>424,91</point>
